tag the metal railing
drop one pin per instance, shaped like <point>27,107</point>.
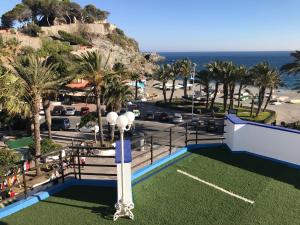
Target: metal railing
<point>146,150</point>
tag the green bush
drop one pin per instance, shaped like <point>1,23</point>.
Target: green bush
<point>91,117</point>
<point>1,42</point>
<point>8,159</point>
<point>53,47</point>
<point>47,146</point>
<point>123,41</point>
<point>73,39</point>
<point>32,30</point>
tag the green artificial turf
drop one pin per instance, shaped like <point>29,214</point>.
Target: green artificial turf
<point>169,197</point>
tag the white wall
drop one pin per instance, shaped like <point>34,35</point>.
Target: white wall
<point>273,142</point>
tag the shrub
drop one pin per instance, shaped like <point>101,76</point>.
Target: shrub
<point>8,159</point>
<point>73,39</point>
<point>51,47</point>
<point>91,117</point>
<point>32,30</point>
<point>123,41</point>
<point>1,42</point>
<point>47,146</point>
<point>26,50</point>
<point>120,32</point>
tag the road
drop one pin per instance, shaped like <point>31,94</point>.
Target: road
<point>160,131</point>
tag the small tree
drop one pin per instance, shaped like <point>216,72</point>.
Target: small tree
<point>8,160</point>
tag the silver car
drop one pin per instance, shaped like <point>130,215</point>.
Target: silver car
<point>70,111</point>
<point>177,118</point>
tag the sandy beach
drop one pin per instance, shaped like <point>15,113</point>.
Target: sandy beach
<point>287,112</point>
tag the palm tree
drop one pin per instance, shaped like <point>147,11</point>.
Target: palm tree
<point>163,75</point>
<point>116,93</point>
<point>213,68</point>
<point>12,98</point>
<point>135,77</point>
<point>232,77</point>
<point>35,77</point>
<point>262,74</point>
<point>244,79</point>
<point>94,69</point>
<point>274,83</point>
<point>65,72</point>
<point>174,73</point>
<point>294,67</point>
<point>226,73</point>
<point>185,72</point>
<point>205,77</point>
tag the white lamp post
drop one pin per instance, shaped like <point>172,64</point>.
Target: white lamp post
<point>123,206</point>
<point>193,89</point>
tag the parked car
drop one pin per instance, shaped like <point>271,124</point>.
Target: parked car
<point>57,124</point>
<point>89,128</point>
<point>211,126</point>
<point>70,111</point>
<point>163,117</point>
<point>137,113</point>
<point>150,116</point>
<point>58,110</point>
<point>84,111</point>
<point>177,118</point>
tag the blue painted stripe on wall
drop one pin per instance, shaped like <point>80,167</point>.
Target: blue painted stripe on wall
<point>236,120</point>
<point>168,158</point>
<point>161,169</point>
<point>293,165</point>
<point>42,195</point>
<point>158,163</point>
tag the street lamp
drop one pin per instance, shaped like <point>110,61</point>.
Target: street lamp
<point>193,88</point>
<point>124,123</point>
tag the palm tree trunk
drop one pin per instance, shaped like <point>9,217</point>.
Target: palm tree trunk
<point>164,92</point>
<point>46,106</point>
<point>136,89</point>
<point>207,95</point>
<point>268,99</point>
<point>252,106</point>
<point>98,102</point>
<point>225,97</point>
<point>48,20</point>
<point>112,133</point>
<point>239,94</point>
<point>215,95</point>
<point>172,92</point>
<point>260,100</point>
<point>37,134</point>
<point>185,86</point>
<point>232,95</point>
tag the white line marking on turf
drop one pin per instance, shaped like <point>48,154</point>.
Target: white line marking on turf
<point>216,187</point>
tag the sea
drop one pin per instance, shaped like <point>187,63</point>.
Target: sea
<point>249,59</point>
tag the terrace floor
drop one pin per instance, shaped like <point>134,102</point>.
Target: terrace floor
<point>194,189</point>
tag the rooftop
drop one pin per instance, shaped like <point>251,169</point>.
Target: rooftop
<point>204,186</point>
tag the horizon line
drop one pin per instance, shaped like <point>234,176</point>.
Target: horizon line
<point>208,51</point>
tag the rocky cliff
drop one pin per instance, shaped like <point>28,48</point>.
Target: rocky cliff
<point>105,37</point>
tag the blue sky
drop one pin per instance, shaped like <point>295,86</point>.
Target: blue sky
<point>204,25</point>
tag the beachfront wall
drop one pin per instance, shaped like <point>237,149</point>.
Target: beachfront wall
<point>277,143</point>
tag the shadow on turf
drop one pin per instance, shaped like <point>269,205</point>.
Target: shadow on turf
<point>254,164</point>
<point>105,197</point>
<point>3,223</point>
